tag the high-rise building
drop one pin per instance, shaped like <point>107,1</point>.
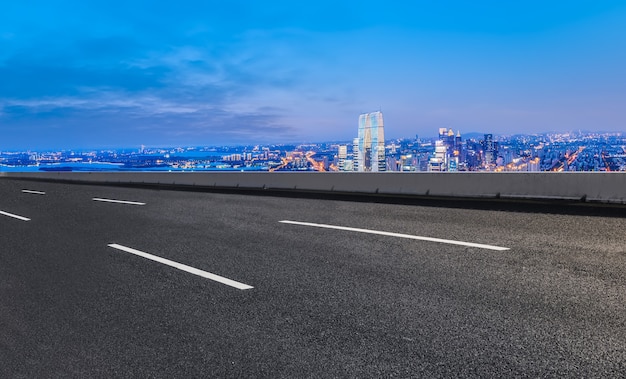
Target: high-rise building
<point>443,132</point>
<point>342,155</point>
<point>489,150</point>
<point>369,150</point>
<point>448,151</point>
<point>355,154</point>
<point>440,161</point>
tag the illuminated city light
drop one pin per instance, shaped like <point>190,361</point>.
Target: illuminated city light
<point>448,152</point>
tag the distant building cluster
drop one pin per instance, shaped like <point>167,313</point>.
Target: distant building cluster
<point>449,151</point>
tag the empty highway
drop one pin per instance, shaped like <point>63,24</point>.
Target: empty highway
<point>99,281</point>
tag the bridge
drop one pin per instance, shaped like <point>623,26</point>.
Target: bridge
<point>195,275</point>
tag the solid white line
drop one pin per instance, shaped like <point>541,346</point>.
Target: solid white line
<point>409,236</point>
<point>183,267</point>
<point>117,201</point>
<point>34,192</point>
<point>14,216</point>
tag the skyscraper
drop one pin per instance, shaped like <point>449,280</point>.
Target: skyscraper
<point>342,155</point>
<point>439,162</point>
<point>489,150</point>
<point>355,154</point>
<point>369,153</point>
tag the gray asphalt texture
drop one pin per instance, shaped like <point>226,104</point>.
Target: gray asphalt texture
<point>325,303</point>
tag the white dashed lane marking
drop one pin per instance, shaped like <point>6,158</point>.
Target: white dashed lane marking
<point>183,267</point>
<point>117,201</point>
<point>33,192</point>
<point>409,236</point>
<point>14,216</point>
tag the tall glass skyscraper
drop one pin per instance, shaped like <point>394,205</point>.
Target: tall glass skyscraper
<point>370,151</point>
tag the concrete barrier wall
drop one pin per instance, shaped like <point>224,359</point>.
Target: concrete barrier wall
<point>601,187</point>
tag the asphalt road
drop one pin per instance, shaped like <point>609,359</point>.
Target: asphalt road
<point>324,302</point>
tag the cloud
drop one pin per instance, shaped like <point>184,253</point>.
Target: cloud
<point>158,71</point>
<point>115,118</point>
<point>206,73</point>
<point>26,78</point>
<point>115,88</point>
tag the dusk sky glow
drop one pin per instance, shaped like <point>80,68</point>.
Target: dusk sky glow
<point>96,74</point>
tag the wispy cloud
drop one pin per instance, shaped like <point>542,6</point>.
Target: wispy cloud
<point>236,71</point>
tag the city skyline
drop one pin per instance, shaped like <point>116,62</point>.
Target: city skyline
<point>449,152</point>
<point>207,73</point>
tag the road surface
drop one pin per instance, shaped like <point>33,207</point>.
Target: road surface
<point>100,281</point>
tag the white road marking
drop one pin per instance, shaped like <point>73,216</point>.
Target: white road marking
<point>34,192</point>
<point>409,236</point>
<point>14,216</point>
<point>118,201</point>
<point>183,267</point>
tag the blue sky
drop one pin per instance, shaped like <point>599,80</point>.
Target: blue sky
<point>92,74</point>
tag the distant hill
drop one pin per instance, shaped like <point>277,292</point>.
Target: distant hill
<point>473,135</point>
